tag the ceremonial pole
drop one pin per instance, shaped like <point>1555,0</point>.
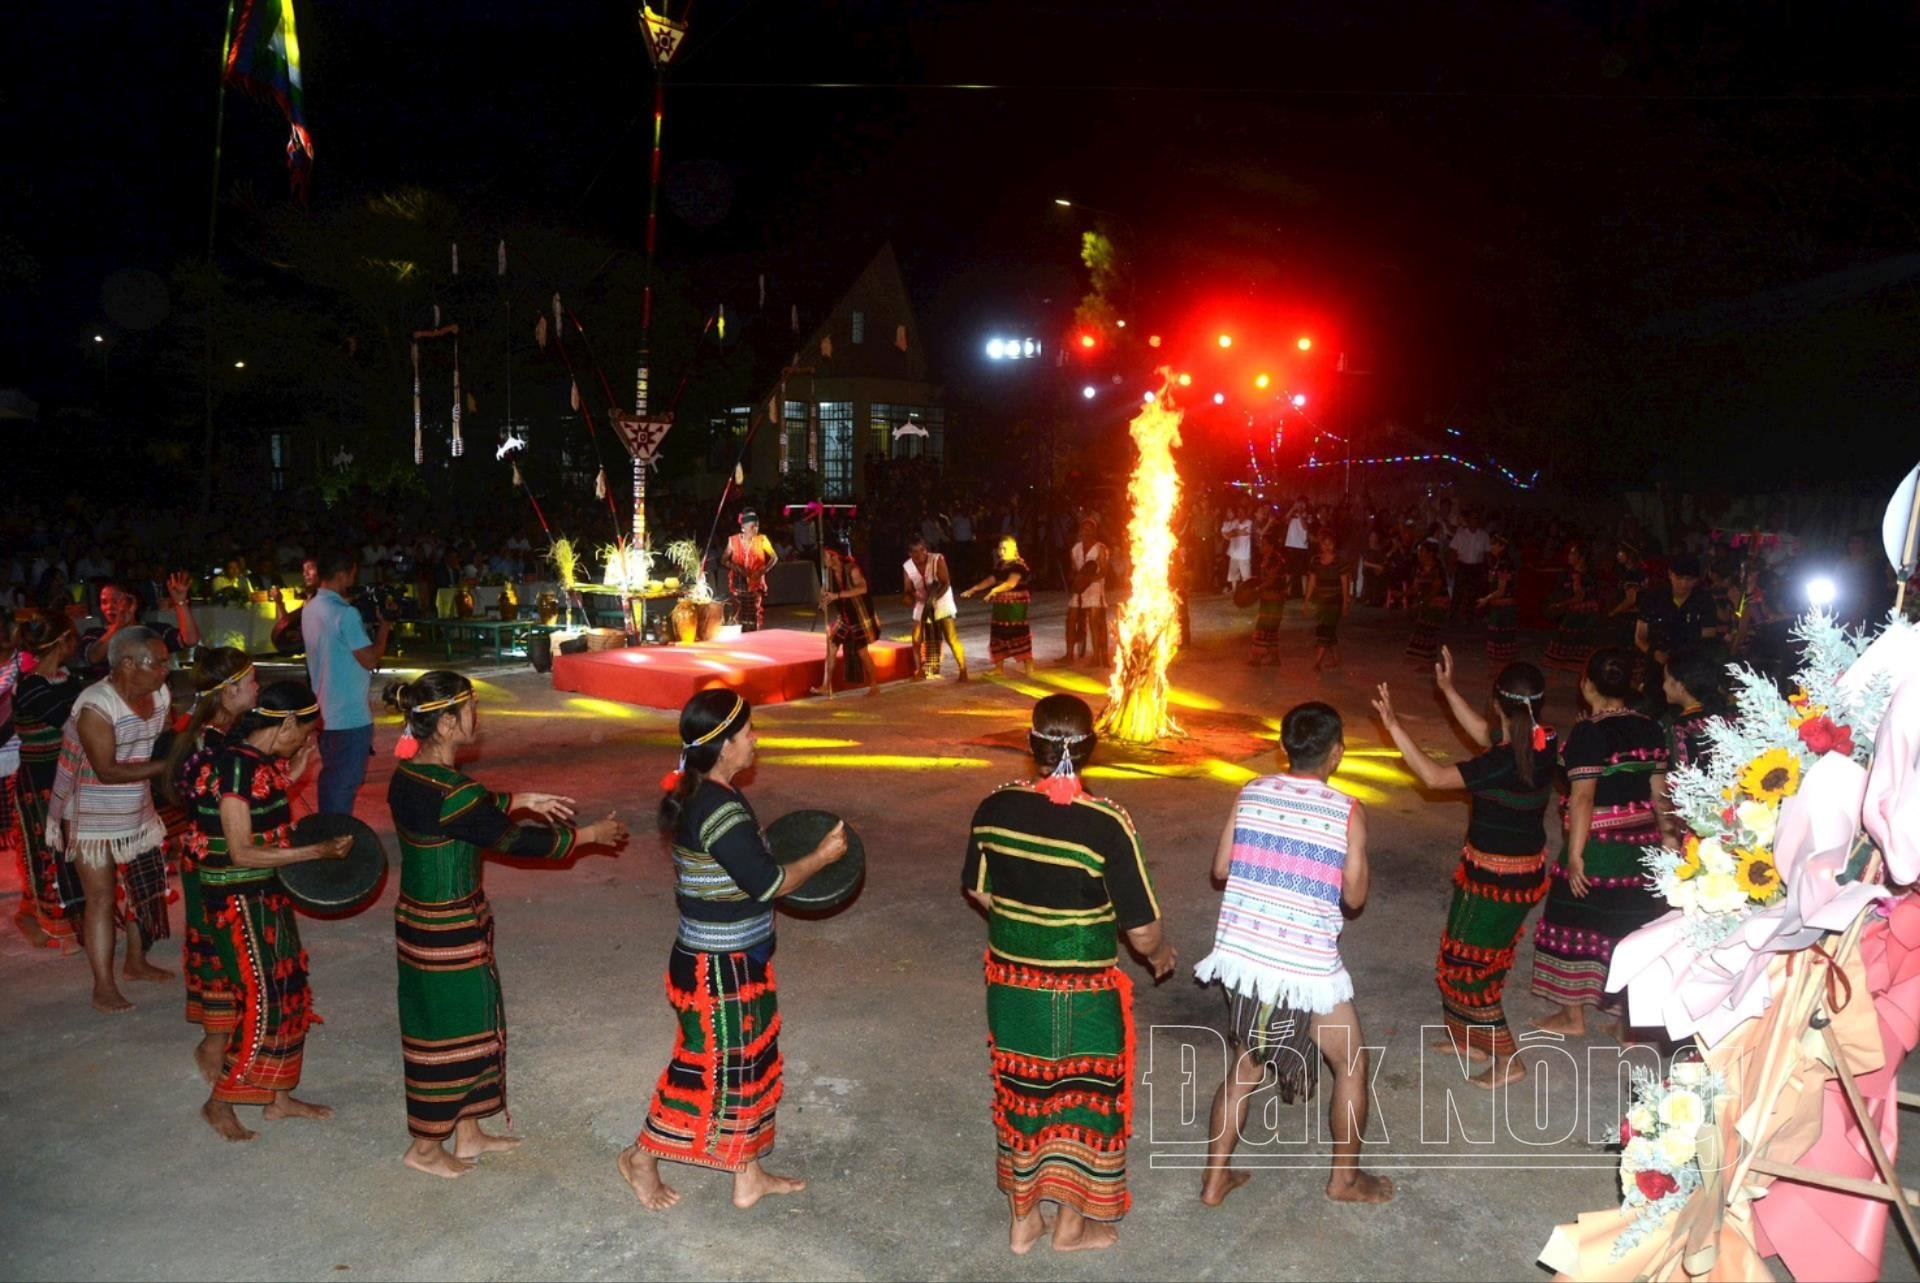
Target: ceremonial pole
<point>663,41</point>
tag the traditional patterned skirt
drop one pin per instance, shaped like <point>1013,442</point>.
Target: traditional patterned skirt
<point>749,609</point>
<point>1492,895</point>
<point>854,624</point>
<point>1423,641</point>
<point>139,895</point>
<point>1502,643</point>
<point>1573,945</point>
<point>213,999</point>
<point>1574,641</point>
<point>259,943</point>
<point>1279,1039</point>
<point>1326,621</point>
<point>1267,618</point>
<point>714,1104</point>
<point>453,1034</point>
<point>52,884</point>
<point>1010,637</point>
<point>1062,1052</point>
<point>928,636</point>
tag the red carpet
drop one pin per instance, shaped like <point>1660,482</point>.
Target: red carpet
<point>768,667</point>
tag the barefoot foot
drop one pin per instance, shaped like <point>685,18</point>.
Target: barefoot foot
<point>110,999</point>
<point>642,1172</point>
<point>754,1182</point>
<point>1362,1187</point>
<point>207,1055</point>
<point>1216,1185</point>
<point>1571,1021</point>
<point>30,928</point>
<point>436,1161</point>
<point>284,1105</point>
<point>144,970</point>
<point>1464,1047</point>
<point>1086,1236</point>
<point>220,1116</point>
<point>1027,1232</point>
<point>1499,1073</point>
<point>476,1142</point>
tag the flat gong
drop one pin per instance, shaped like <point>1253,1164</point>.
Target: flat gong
<point>334,886</point>
<point>794,835</point>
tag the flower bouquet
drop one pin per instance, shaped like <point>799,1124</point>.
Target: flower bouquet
<point>1660,1145</point>
<point>1725,868</point>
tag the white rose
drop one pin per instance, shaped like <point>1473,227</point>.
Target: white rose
<point>1641,1119</point>
<point>1688,1073</point>
<point>1759,819</point>
<point>1676,1149</point>
<point>1715,858</point>
<point>1683,1110</point>
<point>1720,892</point>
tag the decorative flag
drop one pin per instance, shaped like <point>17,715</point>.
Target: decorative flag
<point>419,455</point>
<point>456,258</point>
<point>793,318</point>
<point>900,337</point>
<point>763,290</point>
<point>264,61</point>
<point>573,395</point>
<point>517,481</point>
<point>540,334</point>
<point>459,447</point>
<point>600,484</point>
<point>663,35</point>
<point>556,315</point>
<point>826,345</point>
<point>503,257</point>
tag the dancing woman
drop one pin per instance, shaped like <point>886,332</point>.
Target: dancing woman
<point>51,909</point>
<point>1500,601</point>
<point>1329,588</point>
<point>239,834</point>
<point>226,685</point>
<point>1616,764</point>
<point>453,1034</point>
<point>1007,592</point>
<point>1502,872</point>
<point>1427,601</point>
<point>852,627</point>
<point>714,1105</point>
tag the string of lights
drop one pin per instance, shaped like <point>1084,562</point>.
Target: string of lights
<point>1491,467</point>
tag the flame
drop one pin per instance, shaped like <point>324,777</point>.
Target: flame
<point>1149,631</point>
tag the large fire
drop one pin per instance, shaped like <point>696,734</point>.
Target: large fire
<point>1149,627</point>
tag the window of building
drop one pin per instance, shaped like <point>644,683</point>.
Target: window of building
<point>836,449</point>
<point>793,437</point>
<point>859,327</point>
<point>888,417</point>
<point>277,448</point>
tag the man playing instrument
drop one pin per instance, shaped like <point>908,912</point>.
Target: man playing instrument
<point>930,593</point>
<point>748,557</point>
<point>1087,602</point>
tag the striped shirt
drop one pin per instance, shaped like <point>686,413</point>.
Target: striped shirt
<point>725,877</point>
<point>1063,881</point>
<point>1278,937</point>
<point>94,822</point>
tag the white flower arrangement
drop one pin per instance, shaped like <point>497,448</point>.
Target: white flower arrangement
<point>1660,1145</point>
<point>1725,868</point>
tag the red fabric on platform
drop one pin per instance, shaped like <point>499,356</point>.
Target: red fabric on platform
<point>771,666</point>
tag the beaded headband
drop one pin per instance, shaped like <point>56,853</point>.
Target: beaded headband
<point>225,682</point>
<point>308,711</point>
<point>435,705</point>
<point>725,723</point>
<point>1061,737</point>
<point>1518,698</point>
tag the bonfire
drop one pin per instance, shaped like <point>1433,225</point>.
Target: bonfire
<point>1149,627</point>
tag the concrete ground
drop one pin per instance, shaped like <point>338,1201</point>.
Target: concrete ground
<point>108,1170</point>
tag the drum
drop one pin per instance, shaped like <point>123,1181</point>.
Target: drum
<point>335,886</point>
<point>795,834</point>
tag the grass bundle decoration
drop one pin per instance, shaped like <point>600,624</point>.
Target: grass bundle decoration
<point>685,554</point>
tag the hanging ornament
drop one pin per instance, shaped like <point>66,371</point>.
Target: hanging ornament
<point>540,334</point>
<point>573,396</point>
<point>826,345</point>
<point>502,269</point>
<point>739,475</point>
<point>763,289</point>
<point>419,455</point>
<point>721,321</point>
<point>456,258</point>
<point>518,483</point>
<point>459,447</point>
<point>436,316</point>
<point>900,337</point>
<point>600,484</point>
<point>793,318</point>
<point>556,314</point>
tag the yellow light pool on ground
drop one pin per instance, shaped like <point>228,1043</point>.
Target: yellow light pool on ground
<point>878,761</point>
<point>603,707</point>
<point>805,741</point>
<point>1380,772</point>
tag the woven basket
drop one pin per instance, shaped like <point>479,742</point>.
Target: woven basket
<point>605,638</point>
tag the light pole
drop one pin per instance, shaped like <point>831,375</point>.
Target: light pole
<point>106,374</point>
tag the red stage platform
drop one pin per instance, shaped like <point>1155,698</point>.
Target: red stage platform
<point>771,666</point>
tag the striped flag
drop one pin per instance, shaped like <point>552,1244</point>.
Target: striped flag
<point>264,60</point>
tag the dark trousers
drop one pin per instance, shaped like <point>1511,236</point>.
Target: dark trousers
<point>343,766</point>
<point>750,610</point>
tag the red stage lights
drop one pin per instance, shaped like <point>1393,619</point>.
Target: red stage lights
<point>1226,340</point>
<point>1261,381</point>
<point>1185,380</point>
<point>1087,341</point>
<point>1304,344</point>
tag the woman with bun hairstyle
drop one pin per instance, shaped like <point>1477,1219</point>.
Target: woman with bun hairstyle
<point>1616,764</point>
<point>51,909</point>
<point>714,1105</point>
<point>240,836</point>
<point>453,1035</point>
<point>226,686</point>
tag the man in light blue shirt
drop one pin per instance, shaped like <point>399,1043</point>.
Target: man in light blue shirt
<point>340,662</point>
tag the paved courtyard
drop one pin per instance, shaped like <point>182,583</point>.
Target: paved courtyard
<point>109,1172</point>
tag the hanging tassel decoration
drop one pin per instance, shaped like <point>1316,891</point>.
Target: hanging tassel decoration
<point>436,316</point>
<point>419,455</point>
<point>518,481</point>
<point>793,318</point>
<point>406,746</point>
<point>501,270</point>
<point>456,258</point>
<point>763,291</point>
<point>826,346</point>
<point>573,396</point>
<point>600,484</point>
<point>556,314</point>
<point>459,446</point>
<point>900,337</point>
<point>540,334</point>
<point>720,321</point>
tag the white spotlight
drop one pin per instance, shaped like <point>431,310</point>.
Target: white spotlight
<point>1087,391</point>
<point>995,349</point>
<point>1821,591</point>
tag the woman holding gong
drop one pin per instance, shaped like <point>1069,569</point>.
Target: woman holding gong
<point>241,821</point>
<point>453,1034</point>
<point>714,1104</point>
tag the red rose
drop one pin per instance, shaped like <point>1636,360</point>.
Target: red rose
<point>1820,735</point>
<point>1626,1131</point>
<point>1655,1185</point>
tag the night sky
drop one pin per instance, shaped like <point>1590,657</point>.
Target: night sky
<point>1671,239</point>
